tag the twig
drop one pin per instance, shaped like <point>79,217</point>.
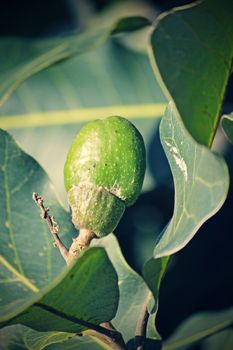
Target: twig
<point>105,332</point>
<point>140,334</point>
<point>80,242</point>
<point>53,226</point>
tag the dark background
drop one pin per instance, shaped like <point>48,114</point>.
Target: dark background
<point>200,276</point>
<point>48,17</point>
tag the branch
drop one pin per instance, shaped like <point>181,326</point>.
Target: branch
<point>82,241</point>
<point>53,226</point>
<point>105,332</point>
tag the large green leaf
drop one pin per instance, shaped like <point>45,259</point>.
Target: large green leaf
<point>80,343</point>
<point>11,338</point>
<point>133,290</point>
<point>153,272</point>
<point>191,52</point>
<point>27,57</point>
<point>27,263</point>
<point>133,295</point>
<point>198,327</point>
<point>108,81</point>
<point>79,298</point>
<point>39,340</point>
<point>94,265</point>
<point>201,183</point>
<point>27,258</point>
<point>19,337</point>
<point>227,126</point>
<point>46,111</point>
<point>218,341</point>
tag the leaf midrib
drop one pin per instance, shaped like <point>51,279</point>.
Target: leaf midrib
<point>8,210</point>
<point>19,274</point>
<point>137,111</point>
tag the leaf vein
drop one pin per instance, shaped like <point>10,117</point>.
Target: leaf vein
<point>8,211</point>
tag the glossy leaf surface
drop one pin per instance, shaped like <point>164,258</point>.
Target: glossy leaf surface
<point>87,291</point>
<point>28,57</point>
<point>46,111</point>
<point>191,52</point>
<point>19,337</point>
<point>201,184</point>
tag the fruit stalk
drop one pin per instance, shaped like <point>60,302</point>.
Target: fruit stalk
<point>82,241</point>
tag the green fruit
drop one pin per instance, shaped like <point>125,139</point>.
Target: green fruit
<point>104,172</point>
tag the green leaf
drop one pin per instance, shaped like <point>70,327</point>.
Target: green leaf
<point>130,24</point>
<point>191,52</point>
<point>201,184</point>
<point>50,107</point>
<point>28,57</point>
<point>81,297</point>
<point>218,341</point>
<point>40,340</point>
<point>198,327</point>
<point>133,290</point>
<point>66,93</point>
<point>28,265</point>
<point>133,293</point>
<point>19,337</point>
<point>28,260</point>
<point>80,343</point>
<point>11,338</point>
<point>227,126</point>
<point>153,272</point>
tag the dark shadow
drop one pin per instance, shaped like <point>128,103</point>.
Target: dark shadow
<point>148,344</point>
<point>35,18</point>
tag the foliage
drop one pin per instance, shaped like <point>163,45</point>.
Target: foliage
<point>37,55</point>
<point>199,190</point>
<point>188,56</point>
<point>227,125</point>
<point>198,327</point>
<point>42,303</point>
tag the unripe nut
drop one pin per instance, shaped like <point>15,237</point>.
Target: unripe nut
<point>104,173</point>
